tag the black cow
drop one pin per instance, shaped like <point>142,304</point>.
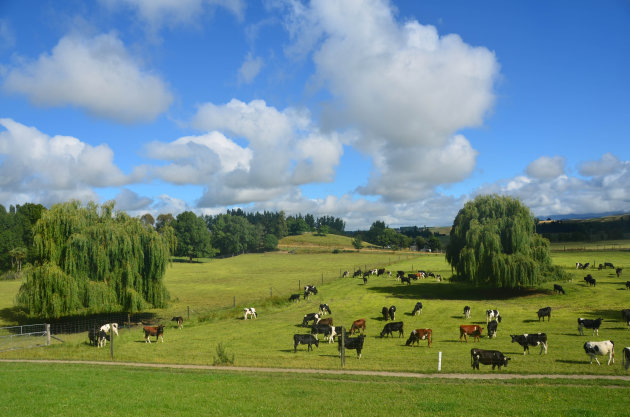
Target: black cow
<point>405,279</point>
<point>590,280</point>
<point>310,317</point>
<point>527,340</point>
<point>625,313</point>
<point>544,312</point>
<point>608,264</point>
<point>323,309</point>
<point>600,267</point>
<point>390,328</point>
<point>392,313</point>
<point>492,329</point>
<point>327,330</point>
<point>417,309</point>
<point>467,312</point>
<point>357,273</point>
<point>558,288</point>
<point>400,274</point>
<point>294,297</point>
<point>586,265</point>
<point>304,339</point>
<point>355,343</point>
<point>381,271</point>
<point>628,285</point>
<point>618,272</point>
<point>589,324</point>
<point>385,313</point>
<point>487,357</point>
<point>179,320</point>
<point>625,357</point>
<point>365,279</point>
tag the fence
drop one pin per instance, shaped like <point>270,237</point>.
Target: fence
<point>24,337</point>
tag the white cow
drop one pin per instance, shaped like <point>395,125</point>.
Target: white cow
<point>492,315</point>
<point>249,311</point>
<point>102,340</point>
<point>607,347</point>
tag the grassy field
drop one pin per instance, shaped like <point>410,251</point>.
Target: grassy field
<point>82,390</point>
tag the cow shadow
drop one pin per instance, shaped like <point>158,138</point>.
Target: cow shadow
<point>530,321</point>
<point>607,315</point>
<point>572,334</point>
<point>571,362</point>
<point>459,317</point>
<point>455,291</point>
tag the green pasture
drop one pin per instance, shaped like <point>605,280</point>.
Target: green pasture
<point>82,390</point>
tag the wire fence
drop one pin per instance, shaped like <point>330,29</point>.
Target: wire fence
<point>24,337</point>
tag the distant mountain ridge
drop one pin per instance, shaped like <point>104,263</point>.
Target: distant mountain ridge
<point>583,216</point>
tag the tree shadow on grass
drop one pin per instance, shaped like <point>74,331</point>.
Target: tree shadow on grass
<point>455,291</point>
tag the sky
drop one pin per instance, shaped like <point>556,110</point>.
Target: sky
<point>396,111</point>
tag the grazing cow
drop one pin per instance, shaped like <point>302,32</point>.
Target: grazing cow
<point>405,279</point>
<point>467,312</point>
<point>393,327</point>
<point>392,313</point>
<point>608,264</point>
<point>153,331</point>
<point>417,309</point>
<point>492,315</point>
<point>364,280</point>
<point>628,285</point>
<point>381,271</point>
<point>385,313</point>
<point>106,328</point>
<point>578,265</point>
<point>466,330</point>
<point>618,272</point>
<point>544,312</point>
<point>355,343</point>
<point>589,324</point>
<point>417,335</point>
<point>294,297</point>
<point>345,274</point>
<point>400,274</point>
<point>607,347</point>
<point>327,330</point>
<point>374,271</point>
<point>625,359</point>
<point>492,329</point>
<point>356,325</point>
<point>357,273</point>
<point>558,288</point>
<point>625,313</point>
<point>97,337</point>
<point>323,309</point>
<point>249,311</point>
<point>310,317</point>
<point>527,340</point>
<point>328,321</point>
<point>305,339</point>
<point>590,280</point>
<point>600,267</point>
<point>308,290</point>
<point>179,320</point>
<point>487,357</point>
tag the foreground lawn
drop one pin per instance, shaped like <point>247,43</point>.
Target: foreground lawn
<point>82,390</point>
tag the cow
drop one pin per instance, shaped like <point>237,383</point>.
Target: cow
<point>589,324</point>
<point>625,359</point>
<point>628,285</point>
<point>466,330</point>
<point>400,274</point>
<point>487,357</point>
<point>305,339</point>
<point>310,317</point>
<point>600,267</point>
<point>467,312</point>
<point>381,271</point>
<point>392,313</point>
<point>106,327</point>
<point>374,271</point>
<point>323,309</point>
<point>405,279</point>
<point>357,273</point>
<point>618,272</point>
<point>492,329</point>
<point>385,313</point>
<point>491,315</point>
<point>356,325</point>
<point>590,280</point>
<point>586,265</point>
<point>355,343</point>
<point>308,290</point>
<point>328,321</point>
<point>345,274</point>
<point>607,347</point>
<point>97,337</point>
<point>527,340</point>
<point>544,312</point>
<point>608,264</point>
<point>625,314</point>
<point>249,311</point>
<point>327,330</point>
<point>294,297</point>
<point>578,265</point>
<point>392,327</point>
<point>558,288</point>
<point>179,320</point>
<point>417,335</point>
<point>157,331</point>
<point>365,280</point>
<point>417,309</point>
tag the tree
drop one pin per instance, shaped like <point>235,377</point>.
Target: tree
<point>493,242</point>
<point>193,237</point>
<point>147,219</point>
<point>17,256</point>
<point>92,260</point>
<point>357,242</point>
<point>233,235</point>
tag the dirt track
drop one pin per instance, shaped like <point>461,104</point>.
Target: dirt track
<point>494,375</point>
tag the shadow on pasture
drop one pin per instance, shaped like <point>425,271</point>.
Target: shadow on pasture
<point>531,321</point>
<point>459,317</point>
<point>607,315</point>
<point>455,291</point>
<point>571,362</point>
<point>573,334</point>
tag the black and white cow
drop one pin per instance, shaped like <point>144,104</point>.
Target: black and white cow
<point>249,311</point>
<point>625,359</point>
<point>487,357</point>
<point>345,274</point>
<point>405,279</point>
<point>558,288</point>
<point>467,312</point>
<point>618,272</point>
<point>98,337</point>
<point>385,313</point>
<point>492,315</point>
<point>492,329</point>
<point>526,340</point>
<point>392,313</point>
<point>417,309</point>
<point>305,339</point>
<point>381,271</point>
<point>392,327</point>
<point>357,273</point>
<point>589,324</point>
<point>308,290</point>
<point>310,317</point>
<point>607,347</point>
<point>578,265</point>
<point>544,312</point>
<point>327,330</point>
<point>323,309</point>
<point>625,314</point>
<point>355,343</point>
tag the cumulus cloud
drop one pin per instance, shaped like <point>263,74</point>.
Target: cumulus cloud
<point>95,74</point>
<point>52,169</point>
<point>131,202</point>
<point>250,69</point>
<point>546,167</point>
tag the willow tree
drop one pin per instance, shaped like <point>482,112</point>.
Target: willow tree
<point>494,242</point>
<point>92,259</point>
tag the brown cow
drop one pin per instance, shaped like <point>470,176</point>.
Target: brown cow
<point>417,335</point>
<point>466,330</point>
<point>356,325</point>
<point>153,331</point>
<point>328,321</point>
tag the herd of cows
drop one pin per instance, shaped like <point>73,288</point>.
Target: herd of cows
<point>320,325</point>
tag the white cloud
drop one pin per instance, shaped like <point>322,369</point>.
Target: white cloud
<point>546,167</point>
<point>95,74</point>
<point>250,69</point>
<point>131,202</point>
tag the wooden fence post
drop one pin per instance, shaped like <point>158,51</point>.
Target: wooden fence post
<point>111,340</point>
<point>343,347</point>
<point>47,334</point>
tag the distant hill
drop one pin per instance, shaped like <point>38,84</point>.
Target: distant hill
<point>583,216</point>
<point>610,227</point>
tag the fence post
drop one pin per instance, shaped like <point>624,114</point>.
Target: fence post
<point>299,284</point>
<point>47,334</point>
<point>111,340</point>
<point>322,278</point>
<point>129,321</point>
<point>188,312</point>
<point>343,347</point>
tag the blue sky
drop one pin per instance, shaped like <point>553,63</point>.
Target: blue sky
<point>370,110</point>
